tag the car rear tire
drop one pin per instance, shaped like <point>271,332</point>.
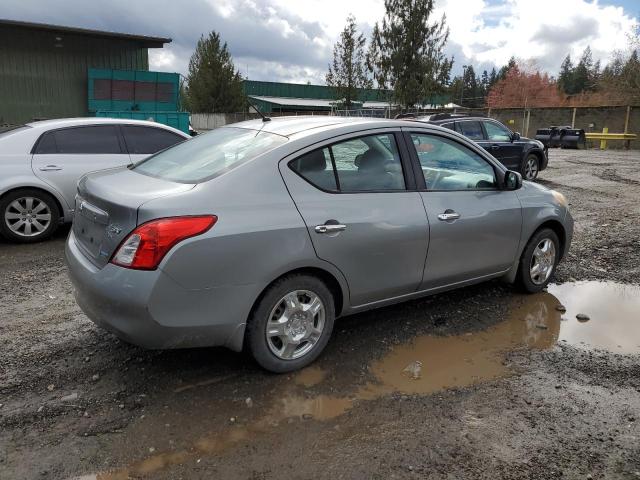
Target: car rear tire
<point>28,215</point>
<point>539,261</point>
<point>531,167</point>
<point>291,324</point>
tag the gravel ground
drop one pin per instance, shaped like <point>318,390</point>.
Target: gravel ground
<point>76,401</point>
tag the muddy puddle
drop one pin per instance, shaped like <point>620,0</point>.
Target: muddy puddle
<point>431,363</point>
<point>613,312</point>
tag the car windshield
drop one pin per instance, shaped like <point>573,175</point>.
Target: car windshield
<point>209,155</point>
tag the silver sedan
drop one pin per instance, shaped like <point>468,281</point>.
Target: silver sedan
<point>260,234</point>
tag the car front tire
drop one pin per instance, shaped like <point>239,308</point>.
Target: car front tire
<point>291,324</point>
<point>539,261</point>
<point>28,215</point>
<point>531,167</point>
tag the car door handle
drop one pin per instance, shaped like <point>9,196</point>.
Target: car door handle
<point>330,228</point>
<point>50,168</point>
<point>449,215</point>
<point>495,147</point>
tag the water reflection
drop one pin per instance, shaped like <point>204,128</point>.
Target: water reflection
<point>613,310</point>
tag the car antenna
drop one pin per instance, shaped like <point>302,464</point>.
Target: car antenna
<point>264,117</point>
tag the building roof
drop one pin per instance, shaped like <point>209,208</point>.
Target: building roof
<point>292,125</point>
<point>149,42</point>
<point>312,102</point>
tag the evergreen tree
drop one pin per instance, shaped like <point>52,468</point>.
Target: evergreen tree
<point>565,78</point>
<point>502,74</point>
<point>348,72</point>
<point>472,97</point>
<point>630,76</point>
<point>583,73</point>
<point>213,83</point>
<point>406,51</point>
<point>493,77</point>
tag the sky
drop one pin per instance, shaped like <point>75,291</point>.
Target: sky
<point>292,40</point>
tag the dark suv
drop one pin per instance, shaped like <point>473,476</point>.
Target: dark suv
<point>513,151</point>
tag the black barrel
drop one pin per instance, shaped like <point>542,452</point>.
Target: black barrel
<point>572,138</point>
<point>544,135</point>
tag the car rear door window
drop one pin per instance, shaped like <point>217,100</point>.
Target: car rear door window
<point>496,132</point>
<point>316,168</point>
<point>148,140</point>
<point>370,163</point>
<point>46,144</point>
<point>447,165</point>
<point>471,129</point>
<point>101,139</point>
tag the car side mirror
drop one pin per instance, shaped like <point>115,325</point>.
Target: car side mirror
<point>515,136</point>
<point>512,180</point>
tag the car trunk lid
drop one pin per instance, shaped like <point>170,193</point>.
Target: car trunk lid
<point>106,208</point>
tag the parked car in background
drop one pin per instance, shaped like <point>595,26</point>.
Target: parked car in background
<point>517,153</point>
<point>41,162</point>
<point>262,233</point>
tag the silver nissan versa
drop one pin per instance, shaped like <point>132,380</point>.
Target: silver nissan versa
<point>260,234</point>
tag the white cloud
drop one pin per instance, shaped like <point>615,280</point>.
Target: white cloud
<point>292,40</point>
<point>490,32</point>
<point>532,30</point>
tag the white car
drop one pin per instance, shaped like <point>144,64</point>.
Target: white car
<point>41,163</point>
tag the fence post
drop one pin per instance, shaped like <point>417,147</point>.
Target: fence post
<point>627,143</point>
<point>603,143</point>
<point>573,118</point>
<point>526,131</point>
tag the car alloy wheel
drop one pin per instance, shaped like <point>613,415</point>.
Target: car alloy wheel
<point>295,324</point>
<point>542,261</point>
<point>27,216</point>
<point>531,168</point>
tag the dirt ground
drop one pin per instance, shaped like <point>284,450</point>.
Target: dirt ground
<point>481,383</point>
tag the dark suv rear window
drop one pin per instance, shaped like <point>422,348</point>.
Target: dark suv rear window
<point>471,129</point>
<point>209,155</point>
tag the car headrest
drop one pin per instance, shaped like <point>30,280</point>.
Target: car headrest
<point>313,161</point>
<point>371,160</point>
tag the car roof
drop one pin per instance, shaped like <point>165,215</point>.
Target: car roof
<point>301,125</point>
<point>453,118</point>
<point>74,122</point>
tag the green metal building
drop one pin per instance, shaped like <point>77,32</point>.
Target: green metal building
<point>43,68</point>
<point>269,97</point>
<point>294,97</point>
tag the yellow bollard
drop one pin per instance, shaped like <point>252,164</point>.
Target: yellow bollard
<point>603,143</point>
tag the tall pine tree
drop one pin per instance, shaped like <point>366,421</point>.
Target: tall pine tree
<point>406,52</point>
<point>213,83</point>
<point>565,78</point>
<point>348,72</point>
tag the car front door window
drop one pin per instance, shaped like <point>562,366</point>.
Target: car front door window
<point>497,133</point>
<point>447,165</point>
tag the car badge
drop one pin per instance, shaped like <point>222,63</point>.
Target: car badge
<point>113,230</point>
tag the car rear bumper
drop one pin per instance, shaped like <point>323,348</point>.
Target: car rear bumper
<point>149,309</point>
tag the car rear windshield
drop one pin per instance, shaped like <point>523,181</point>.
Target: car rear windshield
<point>210,155</point>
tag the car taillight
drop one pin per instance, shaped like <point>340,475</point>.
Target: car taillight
<point>147,245</point>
